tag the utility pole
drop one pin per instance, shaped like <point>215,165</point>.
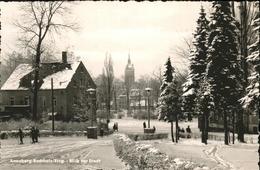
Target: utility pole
<point>52,105</point>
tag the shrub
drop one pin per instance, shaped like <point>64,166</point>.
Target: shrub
<point>145,156</point>
<point>140,156</point>
<point>4,136</point>
<point>15,125</point>
<point>148,136</point>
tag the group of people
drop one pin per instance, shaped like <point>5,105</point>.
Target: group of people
<point>188,131</point>
<point>34,134</point>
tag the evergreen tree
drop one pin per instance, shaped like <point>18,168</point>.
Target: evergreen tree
<point>204,105</point>
<point>197,65</point>
<point>223,69</point>
<point>169,107</point>
<point>167,76</point>
<point>252,98</point>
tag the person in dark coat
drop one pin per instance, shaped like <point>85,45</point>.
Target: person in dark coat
<point>37,134</point>
<point>144,125</point>
<point>32,134</point>
<point>154,129</point>
<point>188,130</point>
<point>114,127</point>
<point>21,135</point>
<point>117,126</point>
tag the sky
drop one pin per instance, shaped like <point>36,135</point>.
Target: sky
<point>147,31</point>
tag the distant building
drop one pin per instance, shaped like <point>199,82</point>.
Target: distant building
<point>70,82</point>
<point>129,74</point>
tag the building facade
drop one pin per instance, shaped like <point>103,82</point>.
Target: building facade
<point>70,84</point>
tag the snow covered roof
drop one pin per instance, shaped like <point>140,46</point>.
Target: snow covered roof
<point>61,79</point>
<point>13,82</point>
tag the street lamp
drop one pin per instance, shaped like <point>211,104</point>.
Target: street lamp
<point>148,91</point>
<point>92,94</point>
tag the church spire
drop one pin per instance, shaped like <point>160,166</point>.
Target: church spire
<point>129,60</point>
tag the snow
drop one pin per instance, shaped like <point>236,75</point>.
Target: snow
<point>61,79</point>
<point>189,92</point>
<point>13,82</point>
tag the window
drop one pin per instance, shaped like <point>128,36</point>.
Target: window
<point>27,100</point>
<point>81,82</point>
<point>55,101</point>
<point>43,102</point>
<point>11,100</point>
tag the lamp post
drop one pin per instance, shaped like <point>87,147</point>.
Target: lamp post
<point>92,94</point>
<point>148,92</point>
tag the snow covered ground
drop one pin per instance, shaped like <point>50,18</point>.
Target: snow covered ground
<point>67,153</point>
<point>130,125</point>
<point>215,155</point>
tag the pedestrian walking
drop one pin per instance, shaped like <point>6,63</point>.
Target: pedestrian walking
<point>21,135</point>
<point>116,126</point>
<point>32,134</point>
<point>154,129</point>
<point>144,125</point>
<point>37,134</point>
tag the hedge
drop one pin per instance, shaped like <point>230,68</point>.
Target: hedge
<point>138,156</point>
<point>148,136</point>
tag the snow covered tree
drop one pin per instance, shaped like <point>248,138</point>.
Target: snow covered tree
<point>167,76</point>
<point>251,100</point>
<point>223,69</point>
<point>169,104</point>
<point>197,65</point>
<point>204,105</point>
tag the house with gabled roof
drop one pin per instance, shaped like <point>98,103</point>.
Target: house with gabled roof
<point>70,84</point>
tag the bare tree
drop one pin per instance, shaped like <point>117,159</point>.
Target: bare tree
<point>183,50</point>
<point>109,78</point>
<point>39,20</point>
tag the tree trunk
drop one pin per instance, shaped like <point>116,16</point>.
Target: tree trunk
<point>206,127</point>
<point>36,82</point>
<point>226,127</point>
<point>233,124</point>
<point>244,53</point>
<point>203,128</point>
<point>177,131</point>
<point>189,117</point>
<point>115,100</point>
<point>127,100</point>
<point>172,131</point>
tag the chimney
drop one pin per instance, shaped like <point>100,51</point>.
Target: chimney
<point>64,57</point>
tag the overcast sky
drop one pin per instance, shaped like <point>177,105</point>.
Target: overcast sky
<point>149,31</point>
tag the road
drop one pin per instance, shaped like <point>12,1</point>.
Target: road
<point>55,153</point>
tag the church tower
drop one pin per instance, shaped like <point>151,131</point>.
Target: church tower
<point>129,73</point>
<point>129,81</point>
